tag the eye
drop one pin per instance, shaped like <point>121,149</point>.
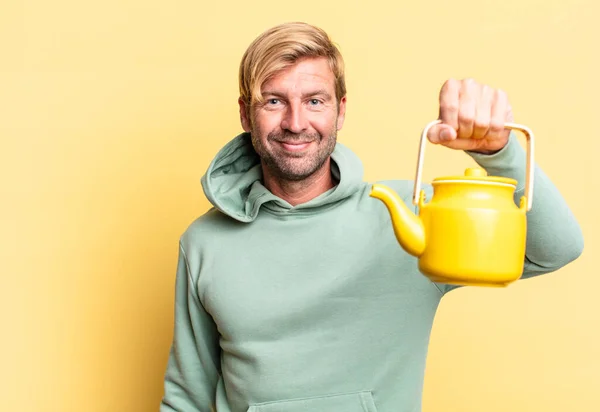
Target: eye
<point>314,102</point>
<point>273,101</point>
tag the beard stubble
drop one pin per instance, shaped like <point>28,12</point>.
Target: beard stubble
<point>292,166</point>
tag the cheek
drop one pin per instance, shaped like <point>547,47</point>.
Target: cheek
<point>325,123</point>
<point>266,123</point>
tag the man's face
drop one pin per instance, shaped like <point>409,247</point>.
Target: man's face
<point>294,131</point>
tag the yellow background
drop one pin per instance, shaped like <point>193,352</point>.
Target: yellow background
<point>111,110</point>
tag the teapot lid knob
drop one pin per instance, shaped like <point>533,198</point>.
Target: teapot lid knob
<point>475,172</point>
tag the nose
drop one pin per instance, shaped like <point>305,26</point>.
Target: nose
<point>295,119</point>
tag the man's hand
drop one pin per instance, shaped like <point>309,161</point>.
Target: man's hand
<point>473,117</point>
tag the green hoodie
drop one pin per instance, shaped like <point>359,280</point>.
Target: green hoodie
<point>316,307</point>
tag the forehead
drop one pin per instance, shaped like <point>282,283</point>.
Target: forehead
<point>306,73</point>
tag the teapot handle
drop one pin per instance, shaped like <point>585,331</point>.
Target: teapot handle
<point>513,126</point>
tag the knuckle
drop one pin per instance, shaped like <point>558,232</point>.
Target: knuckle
<point>451,82</point>
<point>496,127</point>
<point>481,124</point>
<point>501,94</point>
<point>469,81</point>
<point>465,118</point>
<point>449,88</point>
<point>450,107</point>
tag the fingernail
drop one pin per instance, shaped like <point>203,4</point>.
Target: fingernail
<point>445,134</point>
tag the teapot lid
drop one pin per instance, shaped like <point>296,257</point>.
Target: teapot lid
<point>476,175</point>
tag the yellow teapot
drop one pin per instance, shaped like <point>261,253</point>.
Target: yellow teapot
<point>471,232</point>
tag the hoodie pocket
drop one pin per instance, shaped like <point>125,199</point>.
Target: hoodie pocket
<point>347,402</point>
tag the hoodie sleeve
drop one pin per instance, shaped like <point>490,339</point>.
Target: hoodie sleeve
<point>554,237</point>
<point>192,371</point>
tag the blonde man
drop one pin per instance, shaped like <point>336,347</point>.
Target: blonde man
<point>292,293</point>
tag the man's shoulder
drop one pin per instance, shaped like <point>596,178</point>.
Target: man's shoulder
<point>206,227</point>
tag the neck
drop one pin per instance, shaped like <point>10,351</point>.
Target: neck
<point>301,191</point>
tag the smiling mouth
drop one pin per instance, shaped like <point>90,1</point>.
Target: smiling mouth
<point>294,146</point>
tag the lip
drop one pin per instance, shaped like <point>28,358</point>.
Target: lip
<point>295,146</point>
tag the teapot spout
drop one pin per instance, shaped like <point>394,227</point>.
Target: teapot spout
<point>408,227</point>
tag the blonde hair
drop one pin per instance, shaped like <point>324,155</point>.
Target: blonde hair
<point>280,47</point>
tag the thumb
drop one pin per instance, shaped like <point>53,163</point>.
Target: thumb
<point>441,133</point>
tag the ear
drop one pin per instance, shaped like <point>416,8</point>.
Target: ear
<point>341,113</point>
<point>244,113</point>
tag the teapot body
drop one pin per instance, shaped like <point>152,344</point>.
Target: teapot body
<point>471,232</point>
<point>475,233</point>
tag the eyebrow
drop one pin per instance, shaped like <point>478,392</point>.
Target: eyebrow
<point>320,92</point>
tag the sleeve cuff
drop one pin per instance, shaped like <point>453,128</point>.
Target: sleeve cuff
<point>510,161</point>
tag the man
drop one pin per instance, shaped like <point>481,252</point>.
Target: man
<point>292,293</point>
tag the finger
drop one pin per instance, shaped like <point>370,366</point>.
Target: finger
<point>499,111</point>
<point>469,94</point>
<point>449,103</point>
<point>463,144</point>
<point>483,112</point>
<point>441,133</point>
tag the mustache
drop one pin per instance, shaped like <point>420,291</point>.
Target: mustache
<point>287,137</point>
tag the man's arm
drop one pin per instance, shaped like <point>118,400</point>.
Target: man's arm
<point>554,237</point>
<point>193,368</point>
<point>472,118</point>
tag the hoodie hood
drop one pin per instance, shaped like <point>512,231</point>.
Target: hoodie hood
<point>233,181</point>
